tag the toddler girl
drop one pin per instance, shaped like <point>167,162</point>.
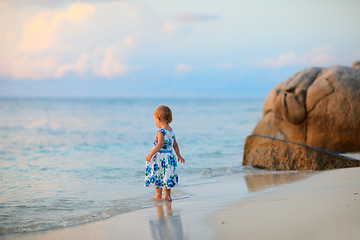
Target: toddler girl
<point>161,166</point>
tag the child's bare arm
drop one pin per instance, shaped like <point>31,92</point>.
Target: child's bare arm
<point>159,145</point>
<point>177,151</point>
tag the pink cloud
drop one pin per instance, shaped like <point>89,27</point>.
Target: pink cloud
<point>182,68</point>
<point>39,34</point>
<point>110,66</point>
<point>320,56</point>
<point>52,44</point>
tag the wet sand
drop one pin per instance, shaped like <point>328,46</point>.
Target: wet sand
<point>256,206</point>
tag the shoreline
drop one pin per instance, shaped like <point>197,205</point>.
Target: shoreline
<point>264,205</point>
<point>323,206</point>
<point>184,217</point>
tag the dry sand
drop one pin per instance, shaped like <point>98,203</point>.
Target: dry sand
<point>324,206</point>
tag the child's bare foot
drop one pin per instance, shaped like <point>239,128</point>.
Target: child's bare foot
<point>168,198</point>
<point>158,198</point>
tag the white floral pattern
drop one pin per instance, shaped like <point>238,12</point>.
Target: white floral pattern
<point>161,170</point>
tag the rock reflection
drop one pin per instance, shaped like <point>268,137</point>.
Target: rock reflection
<point>166,227</point>
<point>261,181</point>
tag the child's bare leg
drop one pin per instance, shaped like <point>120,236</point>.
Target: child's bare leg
<point>167,196</point>
<point>158,193</point>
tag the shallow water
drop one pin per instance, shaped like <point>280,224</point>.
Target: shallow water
<point>65,162</point>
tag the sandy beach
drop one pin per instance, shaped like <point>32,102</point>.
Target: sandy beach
<point>292,205</point>
<point>324,206</point>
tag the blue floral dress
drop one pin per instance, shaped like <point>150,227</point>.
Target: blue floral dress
<point>161,170</point>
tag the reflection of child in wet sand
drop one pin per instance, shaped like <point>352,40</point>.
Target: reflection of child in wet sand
<point>161,166</point>
<point>169,227</point>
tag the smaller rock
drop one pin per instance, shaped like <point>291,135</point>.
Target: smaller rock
<point>271,153</point>
<point>222,222</point>
<point>356,65</point>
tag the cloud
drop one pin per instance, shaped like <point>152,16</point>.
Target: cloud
<point>45,3</point>
<point>110,65</point>
<point>129,42</point>
<point>169,27</point>
<point>36,55</point>
<point>224,66</point>
<point>80,67</point>
<point>77,13</point>
<point>2,5</point>
<point>320,56</point>
<point>182,68</point>
<point>34,69</point>
<point>39,34</point>
<point>93,40</point>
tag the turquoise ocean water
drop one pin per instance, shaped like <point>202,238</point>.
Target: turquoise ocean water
<point>65,162</point>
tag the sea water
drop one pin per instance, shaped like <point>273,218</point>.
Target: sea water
<point>65,162</point>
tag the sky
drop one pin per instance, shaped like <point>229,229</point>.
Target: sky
<point>164,48</point>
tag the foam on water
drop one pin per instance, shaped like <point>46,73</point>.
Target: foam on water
<point>94,213</point>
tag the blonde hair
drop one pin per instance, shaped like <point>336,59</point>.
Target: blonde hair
<point>164,113</point>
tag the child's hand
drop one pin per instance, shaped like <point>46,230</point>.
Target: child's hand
<point>181,159</point>
<point>148,158</point>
